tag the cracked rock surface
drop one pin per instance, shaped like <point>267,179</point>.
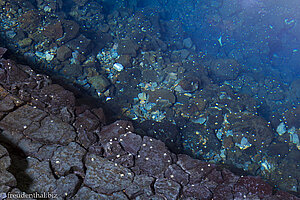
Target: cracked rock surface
<point>48,143</point>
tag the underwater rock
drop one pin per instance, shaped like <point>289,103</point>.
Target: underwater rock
<point>159,95</point>
<point>179,55</point>
<point>140,186</point>
<point>114,130</point>
<point>169,189</point>
<point>71,30</point>
<point>201,103</point>
<point>117,66</point>
<point>7,179</point>
<point>22,117</point>
<point>2,51</point>
<point>51,130</point>
<point>153,157</point>
<point>215,117</point>
<point>72,70</point>
<point>224,69</point>
<point>105,176</point>
<point>41,175</point>
<point>53,31</point>
<point>67,158</point>
<point>188,43</point>
<point>189,84</point>
<point>281,129</point>
<point>176,173</point>
<point>25,42</point>
<point>254,185</point>
<point>37,37</point>
<point>30,20</point>
<point>150,75</point>
<point>125,60</point>
<point>58,98</point>
<point>66,186</point>
<point>254,128</point>
<point>6,104</point>
<point>127,47</point>
<point>100,83</point>
<point>80,44</point>
<point>164,131</point>
<point>131,142</point>
<point>63,53</point>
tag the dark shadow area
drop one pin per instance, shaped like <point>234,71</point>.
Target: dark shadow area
<point>18,163</point>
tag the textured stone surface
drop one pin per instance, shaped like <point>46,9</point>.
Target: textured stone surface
<point>7,179</point>
<point>195,168</point>
<point>105,176</point>
<point>63,53</point>
<point>67,158</point>
<point>52,130</point>
<point>40,174</point>
<point>141,185</point>
<point>87,193</point>
<point>167,188</point>
<point>253,185</point>
<point>131,142</point>
<point>66,186</point>
<point>176,173</point>
<point>153,157</point>
<point>198,191</point>
<point>114,130</point>
<point>21,118</point>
